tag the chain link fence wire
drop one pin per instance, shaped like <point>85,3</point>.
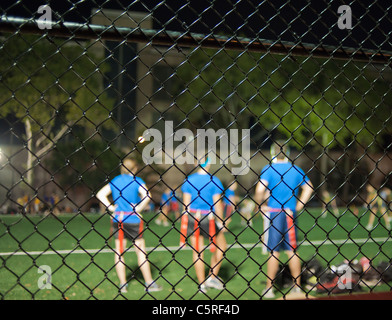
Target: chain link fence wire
<point>87,84</point>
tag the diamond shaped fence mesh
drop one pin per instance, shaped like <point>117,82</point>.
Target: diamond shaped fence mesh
<point>195,149</point>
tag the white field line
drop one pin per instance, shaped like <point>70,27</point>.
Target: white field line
<point>175,248</point>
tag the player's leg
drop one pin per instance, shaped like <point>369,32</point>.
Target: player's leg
<point>198,258</point>
<point>290,246</point>
<point>213,280</point>
<point>384,213</point>
<point>249,213</point>
<point>372,211</point>
<point>228,212</point>
<point>295,267</point>
<point>265,234</point>
<point>276,227</point>
<point>140,249</point>
<point>144,265</point>
<point>162,217</point>
<point>272,270</point>
<point>387,221</point>
<point>217,256</point>
<point>335,207</point>
<point>120,264</point>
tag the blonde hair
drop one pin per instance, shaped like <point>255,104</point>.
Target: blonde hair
<point>129,165</point>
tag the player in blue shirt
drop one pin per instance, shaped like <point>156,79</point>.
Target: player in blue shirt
<point>169,203</point>
<point>130,196</point>
<point>203,218</point>
<point>278,193</point>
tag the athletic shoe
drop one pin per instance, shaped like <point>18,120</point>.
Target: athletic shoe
<point>268,293</point>
<point>123,288</point>
<point>203,288</point>
<point>296,290</point>
<point>153,287</point>
<point>214,282</point>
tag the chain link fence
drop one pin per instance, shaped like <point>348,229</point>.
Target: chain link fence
<point>185,90</point>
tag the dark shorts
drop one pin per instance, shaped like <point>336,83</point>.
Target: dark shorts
<point>131,231</point>
<point>204,226</point>
<point>282,232</point>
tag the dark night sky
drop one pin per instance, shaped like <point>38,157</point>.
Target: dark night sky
<point>308,21</point>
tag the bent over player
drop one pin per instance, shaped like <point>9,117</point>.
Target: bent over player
<point>279,185</point>
<point>130,197</point>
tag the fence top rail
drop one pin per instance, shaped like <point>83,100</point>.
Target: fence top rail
<point>73,30</point>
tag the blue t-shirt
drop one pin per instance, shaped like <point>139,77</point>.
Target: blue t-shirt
<point>284,180</point>
<point>125,193</point>
<point>202,188</point>
<point>228,194</point>
<point>168,197</point>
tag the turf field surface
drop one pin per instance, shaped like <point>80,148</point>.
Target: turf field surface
<point>78,251</point>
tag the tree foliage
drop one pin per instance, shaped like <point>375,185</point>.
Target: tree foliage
<point>320,102</point>
<point>89,163</point>
<point>51,86</point>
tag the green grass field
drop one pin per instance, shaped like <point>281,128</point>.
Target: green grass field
<point>76,249</point>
